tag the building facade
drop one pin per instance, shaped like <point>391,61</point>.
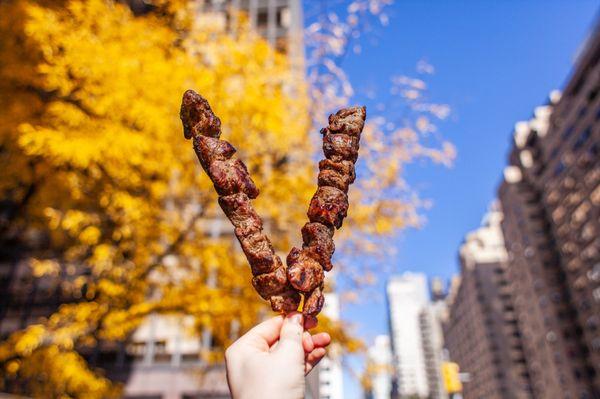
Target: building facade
<point>326,381</point>
<point>570,194</point>
<point>432,336</point>
<point>407,298</point>
<point>379,369</point>
<point>280,22</point>
<point>481,333</point>
<point>551,198</point>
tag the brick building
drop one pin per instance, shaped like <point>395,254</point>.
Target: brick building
<point>481,333</point>
<point>551,200</point>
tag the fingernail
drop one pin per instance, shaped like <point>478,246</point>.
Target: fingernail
<point>297,318</point>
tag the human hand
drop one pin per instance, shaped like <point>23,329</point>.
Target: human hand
<point>271,360</point>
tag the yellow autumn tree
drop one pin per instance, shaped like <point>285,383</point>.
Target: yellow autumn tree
<point>101,191</point>
<point>103,199</point>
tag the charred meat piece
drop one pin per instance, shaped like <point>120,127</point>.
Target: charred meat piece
<point>210,149</point>
<point>258,251</point>
<point>318,242</point>
<point>345,168</point>
<point>272,283</point>
<point>333,178</point>
<point>238,209</point>
<point>287,301</point>
<point>230,177</point>
<point>248,230</point>
<point>314,232</point>
<point>314,302</point>
<point>197,117</point>
<point>328,206</point>
<point>340,147</point>
<point>348,120</point>
<point>303,272</point>
<point>336,174</point>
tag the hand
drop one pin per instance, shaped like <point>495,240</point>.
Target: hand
<point>271,360</point>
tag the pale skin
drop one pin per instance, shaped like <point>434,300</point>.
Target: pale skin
<point>271,360</point>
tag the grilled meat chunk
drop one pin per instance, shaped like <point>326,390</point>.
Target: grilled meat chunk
<point>286,301</point>
<point>340,147</point>
<point>269,284</point>
<point>314,302</point>
<point>318,242</point>
<point>328,206</point>
<point>197,117</point>
<point>210,149</point>
<point>230,177</point>
<point>303,272</point>
<point>348,121</point>
<point>239,210</point>
<point>258,250</point>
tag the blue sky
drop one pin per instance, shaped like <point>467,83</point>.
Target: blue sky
<point>494,62</point>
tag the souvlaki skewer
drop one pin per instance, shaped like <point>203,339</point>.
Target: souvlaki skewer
<point>304,273</point>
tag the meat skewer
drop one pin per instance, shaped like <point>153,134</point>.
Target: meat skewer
<point>305,269</point>
<point>236,188</point>
<point>328,207</point>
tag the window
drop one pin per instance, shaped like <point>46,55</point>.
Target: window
<point>568,132</point>
<point>594,274</point>
<point>137,349</point>
<point>188,358</point>
<point>160,347</point>
<point>595,150</point>
<point>283,17</point>
<point>595,196</point>
<point>581,212</point>
<point>582,138</point>
<point>262,18</point>
<point>559,169</point>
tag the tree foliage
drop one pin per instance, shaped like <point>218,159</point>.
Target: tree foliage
<point>105,194</point>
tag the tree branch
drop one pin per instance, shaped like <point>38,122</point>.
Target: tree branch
<point>53,95</point>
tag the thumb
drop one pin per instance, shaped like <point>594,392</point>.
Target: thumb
<point>290,339</point>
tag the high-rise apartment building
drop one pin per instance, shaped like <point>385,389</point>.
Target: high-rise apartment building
<point>417,339</point>
<point>551,199</point>
<point>407,298</point>
<point>280,22</point>
<point>432,335</point>
<point>326,381</point>
<point>481,333</point>
<point>379,369</point>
